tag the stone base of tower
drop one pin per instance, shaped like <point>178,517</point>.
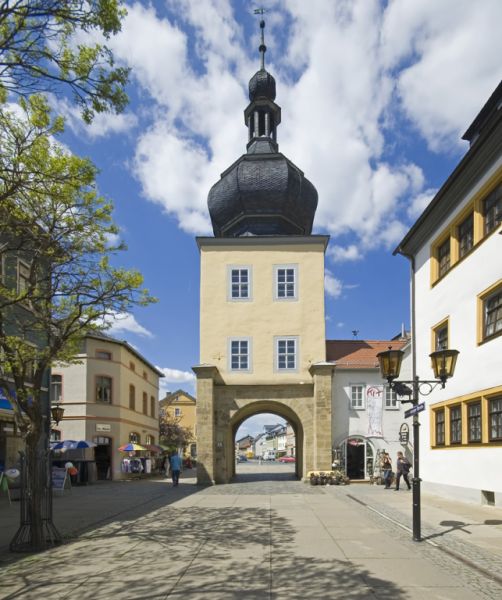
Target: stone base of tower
<point>222,408</point>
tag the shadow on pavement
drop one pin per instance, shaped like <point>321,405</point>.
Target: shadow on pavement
<point>459,526</point>
<point>197,553</point>
<point>90,507</point>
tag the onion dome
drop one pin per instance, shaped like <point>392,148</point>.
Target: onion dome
<point>262,85</point>
<point>263,192</point>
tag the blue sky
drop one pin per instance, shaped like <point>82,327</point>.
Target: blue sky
<point>375,97</point>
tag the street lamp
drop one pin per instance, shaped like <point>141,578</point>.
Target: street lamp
<point>57,412</point>
<point>443,365</point>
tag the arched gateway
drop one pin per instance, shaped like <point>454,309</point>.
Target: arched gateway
<point>262,322</point>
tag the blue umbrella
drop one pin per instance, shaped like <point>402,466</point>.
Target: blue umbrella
<point>71,445</point>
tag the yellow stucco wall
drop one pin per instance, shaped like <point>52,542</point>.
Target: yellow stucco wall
<point>263,317</point>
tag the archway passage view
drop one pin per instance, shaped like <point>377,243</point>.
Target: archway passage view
<point>265,449</point>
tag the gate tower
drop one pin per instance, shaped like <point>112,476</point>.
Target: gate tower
<point>262,320</point>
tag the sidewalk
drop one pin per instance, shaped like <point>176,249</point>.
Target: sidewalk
<point>258,539</point>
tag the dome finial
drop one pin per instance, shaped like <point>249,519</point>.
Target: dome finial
<point>262,48</point>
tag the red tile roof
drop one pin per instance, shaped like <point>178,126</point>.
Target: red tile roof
<point>359,354</point>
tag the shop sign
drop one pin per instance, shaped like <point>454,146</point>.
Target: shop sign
<point>404,433</point>
<point>102,427</point>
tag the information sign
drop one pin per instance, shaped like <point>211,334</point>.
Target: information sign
<point>414,410</point>
<point>60,479</point>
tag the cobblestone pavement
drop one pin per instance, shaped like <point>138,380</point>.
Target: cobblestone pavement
<point>475,565</point>
<point>256,538</point>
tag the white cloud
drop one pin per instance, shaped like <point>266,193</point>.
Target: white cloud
<point>332,285</point>
<point>175,379</point>
<point>103,124</point>
<point>344,254</point>
<point>419,203</point>
<point>126,323</point>
<point>431,62</point>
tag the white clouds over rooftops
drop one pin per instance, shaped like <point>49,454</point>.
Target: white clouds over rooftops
<point>121,323</point>
<point>347,73</point>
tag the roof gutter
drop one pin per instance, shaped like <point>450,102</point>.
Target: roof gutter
<point>411,258</point>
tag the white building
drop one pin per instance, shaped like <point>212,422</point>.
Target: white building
<point>367,416</point>
<point>456,257</point>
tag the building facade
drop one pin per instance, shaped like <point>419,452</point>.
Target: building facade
<point>367,416</point>
<point>455,251</point>
<point>182,407</point>
<point>110,398</point>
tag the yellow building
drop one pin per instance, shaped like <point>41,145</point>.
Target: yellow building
<point>262,322</point>
<point>109,398</point>
<point>180,405</point>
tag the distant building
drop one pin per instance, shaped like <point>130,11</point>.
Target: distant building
<point>366,414</point>
<point>109,398</point>
<point>455,251</point>
<point>182,406</point>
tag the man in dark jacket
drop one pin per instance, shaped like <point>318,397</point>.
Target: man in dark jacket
<point>403,467</point>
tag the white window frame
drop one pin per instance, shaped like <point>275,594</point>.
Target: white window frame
<point>353,406</point>
<point>286,338</point>
<point>249,270</point>
<point>55,385</point>
<point>294,297</point>
<point>391,401</point>
<point>249,368</point>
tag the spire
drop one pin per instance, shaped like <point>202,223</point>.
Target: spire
<point>262,49</point>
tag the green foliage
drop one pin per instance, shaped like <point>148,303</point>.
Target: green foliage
<point>171,433</point>
<point>50,46</point>
<point>53,220</point>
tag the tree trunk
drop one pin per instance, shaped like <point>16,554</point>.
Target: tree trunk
<point>36,489</point>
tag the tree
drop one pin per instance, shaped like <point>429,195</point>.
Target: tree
<point>54,220</point>
<point>47,46</point>
<point>171,433</point>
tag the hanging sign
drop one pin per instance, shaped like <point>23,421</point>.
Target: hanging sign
<point>404,433</point>
<point>414,410</point>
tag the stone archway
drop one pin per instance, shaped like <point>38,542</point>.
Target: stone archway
<point>279,409</point>
<point>221,407</point>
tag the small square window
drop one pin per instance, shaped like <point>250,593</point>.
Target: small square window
<point>357,396</point>
<point>286,284</point>
<point>391,399</point>
<point>240,359</point>
<point>286,354</point>
<point>239,283</point>
<point>177,412</point>
<point>103,355</point>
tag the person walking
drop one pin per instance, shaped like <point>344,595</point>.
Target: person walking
<point>403,467</point>
<point>386,467</point>
<point>175,462</point>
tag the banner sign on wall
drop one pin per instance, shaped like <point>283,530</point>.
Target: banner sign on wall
<point>374,410</point>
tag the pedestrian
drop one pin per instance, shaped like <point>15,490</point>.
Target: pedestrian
<point>176,463</point>
<point>403,467</point>
<point>386,466</point>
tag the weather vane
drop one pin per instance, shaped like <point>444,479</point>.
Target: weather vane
<point>262,48</point>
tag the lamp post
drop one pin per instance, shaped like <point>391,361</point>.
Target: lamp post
<point>443,365</point>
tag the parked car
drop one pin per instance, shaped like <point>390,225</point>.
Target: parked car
<point>269,455</point>
<point>287,459</point>
<point>241,458</point>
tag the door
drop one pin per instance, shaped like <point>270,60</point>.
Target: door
<point>103,457</point>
